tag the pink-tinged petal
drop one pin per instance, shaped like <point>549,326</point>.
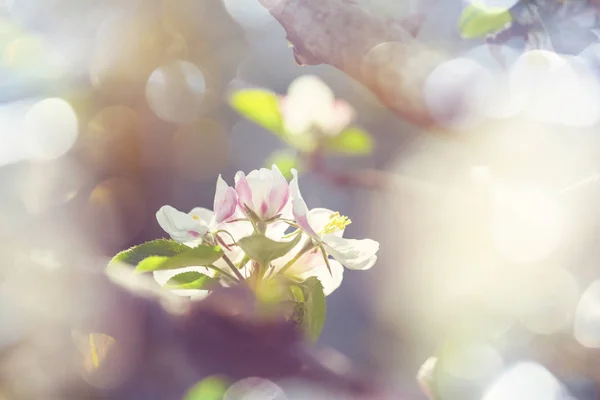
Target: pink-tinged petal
<point>225,201</point>
<point>294,188</point>
<point>280,192</point>
<point>243,190</point>
<point>300,212</point>
<point>264,207</point>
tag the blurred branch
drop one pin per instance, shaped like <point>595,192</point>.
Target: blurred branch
<point>343,34</point>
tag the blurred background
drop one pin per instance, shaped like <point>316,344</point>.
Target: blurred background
<point>111,109</point>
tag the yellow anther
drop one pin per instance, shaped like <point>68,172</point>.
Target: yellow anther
<point>336,223</point>
<point>197,218</point>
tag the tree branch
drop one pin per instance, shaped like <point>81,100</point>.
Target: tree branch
<point>381,54</point>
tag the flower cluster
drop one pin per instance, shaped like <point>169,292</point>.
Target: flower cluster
<point>264,204</point>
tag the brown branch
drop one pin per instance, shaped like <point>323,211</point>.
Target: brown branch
<point>381,54</point>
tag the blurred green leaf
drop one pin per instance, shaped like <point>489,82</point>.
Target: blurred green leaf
<point>264,250</point>
<point>212,388</point>
<point>285,160</point>
<point>478,20</point>
<point>315,309</point>
<point>197,256</point>
<point>259,106</point>
<point>160,248</point>
<point>353,141</point>
<point>191,280</point>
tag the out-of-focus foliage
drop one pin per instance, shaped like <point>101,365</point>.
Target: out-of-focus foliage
<point>479,20</point>
<point>286,160</point>
<point>263,108</point>
<point>211,388</point>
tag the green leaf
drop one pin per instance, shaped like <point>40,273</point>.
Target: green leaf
<point>160,248</point>
<point>479,20</point>
<point>259,106</point>
<point>211,388</point>
<point>193,257</point>
<point>353,141</point>
<point>315,308</point>
<point>285,160</point>
<point>191,280</point>
<point>264,250</point>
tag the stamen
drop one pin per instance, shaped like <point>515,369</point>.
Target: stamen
<point>336,223</point>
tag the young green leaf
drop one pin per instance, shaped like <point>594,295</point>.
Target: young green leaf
<point>315,308</point>
<point>264,250</point>
<point>156,248</point>
<point>191,280</point>
<point>285,160</point>
<point>193,257</point>
<point>479,20</point>
<point>259,106</point>
<point>353,142</point>
<point>211,388</point>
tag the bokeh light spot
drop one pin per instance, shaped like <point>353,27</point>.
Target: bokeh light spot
<point>586,327</point>
<point>254,389</point>
<point>175,92</point>
<point>50,129</point>
<point>528,224</point>
<point>526,381</point>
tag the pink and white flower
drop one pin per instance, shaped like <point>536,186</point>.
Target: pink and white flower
<point>193,226</point>
<point>310,107</point>
<point>264,192</point>
<point>326,228</point>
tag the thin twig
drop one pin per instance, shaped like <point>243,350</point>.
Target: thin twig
<point>235,270</point>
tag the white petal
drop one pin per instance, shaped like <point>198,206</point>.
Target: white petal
<point>330,281</point>
<point>309,91</point>
<point>337,119</point>
<point>319,217</point>
<point>309,100</point>
<point>162,277</point>
<point>352,253</point>
<point>180,226</point>
<point>201,214</point>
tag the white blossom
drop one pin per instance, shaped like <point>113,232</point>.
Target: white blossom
<point>310,107</point>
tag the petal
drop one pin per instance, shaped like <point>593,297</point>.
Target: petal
<point>339,118</point>
<point>313,264</point>
<point>162,277</point>
<point>309,100</point>
<point>300,211</point>
<point>310,91</point>
<point>180,226</point>
<point>280,193</point>
<point>352,253</point>
<point>201,214</point>
<point>225,201</point>
<point>242,188</point>
<point>319,217</point>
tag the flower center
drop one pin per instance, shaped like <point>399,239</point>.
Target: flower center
<point>336,223</point>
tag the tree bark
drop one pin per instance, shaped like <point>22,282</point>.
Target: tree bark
<point>383,55</point>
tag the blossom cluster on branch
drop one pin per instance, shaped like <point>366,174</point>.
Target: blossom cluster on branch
<point>261,234</point>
